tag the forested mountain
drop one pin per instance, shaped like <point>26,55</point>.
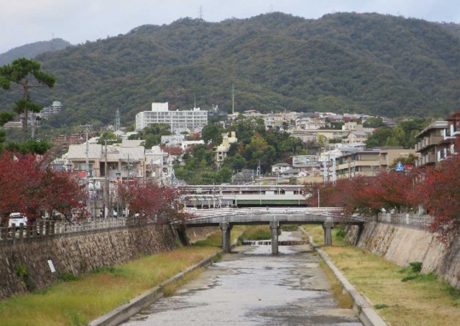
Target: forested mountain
<point>341,62</point>
<point>31,50</point>
<point>452,28</point>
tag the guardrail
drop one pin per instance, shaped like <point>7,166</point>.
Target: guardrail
<point>50,228</point>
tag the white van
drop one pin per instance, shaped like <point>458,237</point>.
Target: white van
<point>16,219</point>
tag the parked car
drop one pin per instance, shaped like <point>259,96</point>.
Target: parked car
<point>16,219</point>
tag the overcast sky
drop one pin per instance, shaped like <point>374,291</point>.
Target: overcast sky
<point>26,21</point>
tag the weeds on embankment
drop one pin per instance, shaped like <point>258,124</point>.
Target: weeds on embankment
<point>76,301</point>
<point>402,296</point>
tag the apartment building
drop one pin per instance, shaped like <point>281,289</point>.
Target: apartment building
<point>451,134</point>
<point>369,162</point>
<point>430,142</point>
<point>123,160</point>
<point>184,120</point>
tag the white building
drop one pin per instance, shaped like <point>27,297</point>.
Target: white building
<point>279,168</point>
<point>222,149</point>
<point>305,161</point>
<point>178,121</point>
<point>48,111</point>
<point>172,140</point>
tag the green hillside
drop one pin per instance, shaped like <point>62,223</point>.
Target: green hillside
<point>32,50</point>
<point>367,63</point>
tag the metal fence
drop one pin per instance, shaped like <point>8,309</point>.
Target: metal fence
<point>50,228</point>
<point>412,220</point>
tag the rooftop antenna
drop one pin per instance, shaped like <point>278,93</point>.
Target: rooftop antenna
<point>233,99</point>
<point>194,101</point>
<point>201,12</point>
<point>117,120</point>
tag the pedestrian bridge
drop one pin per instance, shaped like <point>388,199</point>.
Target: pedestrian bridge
<point>328,217</point>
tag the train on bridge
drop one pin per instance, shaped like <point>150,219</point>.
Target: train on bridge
<point>215,196</point>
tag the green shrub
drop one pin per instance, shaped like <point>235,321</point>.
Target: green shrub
<point>416,266</point>
<point>68,277</point>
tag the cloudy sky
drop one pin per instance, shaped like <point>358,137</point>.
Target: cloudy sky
<point>25,21</point>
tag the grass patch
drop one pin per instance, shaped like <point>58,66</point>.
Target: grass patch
<point>343,299</point>
<point>258,232</point>
<point>94,294</point>
<point>68,277</point>
<point>213,240</point>
<point>289,227</point>
<point>380,306</point>
<point>317,233</point>
<point>170,289</point>
<point>422,299</point>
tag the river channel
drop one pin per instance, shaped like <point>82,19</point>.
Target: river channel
<point>251,287</point>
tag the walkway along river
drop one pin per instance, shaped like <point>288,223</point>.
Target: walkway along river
<point>251,287</point>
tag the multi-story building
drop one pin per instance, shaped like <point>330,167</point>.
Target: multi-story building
<point>451,134</point>
<point>369,162</point>
<point>125,160</point>
<point>48,111</point>
<point>430,141</point>
<point>186,120</point>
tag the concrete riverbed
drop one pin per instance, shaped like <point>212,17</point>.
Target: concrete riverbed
<point>251,287</point>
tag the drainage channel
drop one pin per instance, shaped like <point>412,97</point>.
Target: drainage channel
<point>252,287</point>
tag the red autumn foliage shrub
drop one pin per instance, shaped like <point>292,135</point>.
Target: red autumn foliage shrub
<point>172,150</point>
<point>438,191</point>
<point>365,195</point>
<point>29,186</point>
<point>149,201</point>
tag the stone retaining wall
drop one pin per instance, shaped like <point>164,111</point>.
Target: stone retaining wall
<point>24,263</point>
<point>402,245</point>
<point>197,234</point>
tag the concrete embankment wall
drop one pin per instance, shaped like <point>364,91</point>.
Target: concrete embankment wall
<point>402,245</point>
<point>24,263</point>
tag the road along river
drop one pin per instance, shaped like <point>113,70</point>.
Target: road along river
<point>251,287</point>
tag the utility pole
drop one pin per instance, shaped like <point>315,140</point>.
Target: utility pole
<point>334,171</point>
<point>106,184</point>
<point>88,204</point>
<point>325,170</point>
<point>319,198</point>
<point>88,174</point>
<point>129,168</point>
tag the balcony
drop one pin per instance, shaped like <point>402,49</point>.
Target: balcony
<point>428,141</point>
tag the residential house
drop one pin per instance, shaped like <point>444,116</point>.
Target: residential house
<point>279,168</point>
